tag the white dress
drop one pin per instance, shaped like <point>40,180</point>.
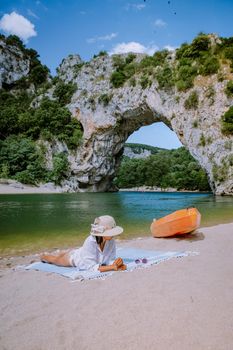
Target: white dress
<point>90,256</point>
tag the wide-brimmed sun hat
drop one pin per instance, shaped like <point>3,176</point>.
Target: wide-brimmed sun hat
<point>105,226</point>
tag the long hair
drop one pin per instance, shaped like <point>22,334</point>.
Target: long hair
<point>99,239</point>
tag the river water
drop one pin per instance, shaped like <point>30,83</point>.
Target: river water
<point>35,222</point>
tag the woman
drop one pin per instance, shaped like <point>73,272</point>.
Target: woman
<point>98,251</point>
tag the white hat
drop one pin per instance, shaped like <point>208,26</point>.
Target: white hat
<point>105,226</point>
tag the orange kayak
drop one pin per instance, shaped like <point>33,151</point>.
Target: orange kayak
<point>177,223</point>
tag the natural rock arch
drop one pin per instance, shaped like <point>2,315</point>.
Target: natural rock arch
<point>167,87</point>
<point>108,125</point>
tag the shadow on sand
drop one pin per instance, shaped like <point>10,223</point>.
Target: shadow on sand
<point>191,237</point>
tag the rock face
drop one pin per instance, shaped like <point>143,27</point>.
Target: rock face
<point>13,64</point>
<point>108,123</point>
<point>139,153</point>
<point>110,115</point>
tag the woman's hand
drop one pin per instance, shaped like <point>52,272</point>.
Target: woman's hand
<point>118,265</point>
<point>118,262</point>
<point>122,268</point>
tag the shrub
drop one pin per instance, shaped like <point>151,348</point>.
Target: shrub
<point>209,140</point>
<point>129,70</point>
<point>15,41</point>
<point>77,67</point>
<point>210,93</point>
<point>183,85</point>
<point>20,155</point>
<point>202,141</point>
<point>145,82</point>
<point>63,92</point>
<point>101,54</point>
<point>118,61</point>
<point>200,43</point>
<point>180,52</point>
<point>130,58</point>
<point>165,78</point>
<point>229,88</point>
<point>147,61</point>
<point>228,53</point>
<point>125,69</point>
<point>195,124</point>
<point>192,101</point>
<point>26,177</point>
<point>60,168</point>
<point>132,82</point>
<point>39,74</point>
<point>117,79</point>
<point>227,122</point>
<point>210,66</point>
<point>5,171</point>
<point>92,103</point>
<point>185,75</point>
<point>160,57</point>
<point>221,76</point>
<point>104,99</point>
<point>228,145</point>
<point>186,71</point>
<point>75,139</point>
<point>220,173</point>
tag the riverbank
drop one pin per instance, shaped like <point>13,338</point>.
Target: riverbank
<point>157,189</point>
<point>182,303</point>
<point>15,187</point>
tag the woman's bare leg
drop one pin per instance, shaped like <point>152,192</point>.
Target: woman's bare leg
<point>61,259</point>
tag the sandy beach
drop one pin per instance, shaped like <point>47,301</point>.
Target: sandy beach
<point>183,303</point>
<point>15,187</point>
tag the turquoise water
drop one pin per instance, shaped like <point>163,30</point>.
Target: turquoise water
<point>35,222</point>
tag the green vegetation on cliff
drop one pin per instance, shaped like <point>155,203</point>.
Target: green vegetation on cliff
<point>227,122</point>
<point>27,116</point>
<point>204,56</point>
<point>38,73</point>
<point>166,168</point>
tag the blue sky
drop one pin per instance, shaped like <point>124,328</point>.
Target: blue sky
<point>58,28</point>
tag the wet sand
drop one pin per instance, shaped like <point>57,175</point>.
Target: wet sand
<point>183,303</point>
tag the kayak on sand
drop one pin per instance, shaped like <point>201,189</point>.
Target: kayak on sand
<point>179,222</point>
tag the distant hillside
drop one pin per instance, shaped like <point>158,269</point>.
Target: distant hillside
<point>138,150</point>
<point>164,169</point>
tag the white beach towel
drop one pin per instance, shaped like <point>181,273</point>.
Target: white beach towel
<point>129,255</point>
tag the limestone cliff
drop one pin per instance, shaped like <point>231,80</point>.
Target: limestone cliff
<point>111,110</point>
<point>13,63</point>
<point>109,115</point>
<point>137,153</point>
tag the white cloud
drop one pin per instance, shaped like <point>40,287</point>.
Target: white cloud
<point>133,47</point>
<point>160,23</point>
<point>137,7</point>
<point>107,37</point>
<point>170,48</point>
<point>16,24</point>
<point>39,3</point>
<point>32,14</point>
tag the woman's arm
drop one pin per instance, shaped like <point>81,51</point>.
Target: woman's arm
<point>117,265</point>
<point>108,268</point>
